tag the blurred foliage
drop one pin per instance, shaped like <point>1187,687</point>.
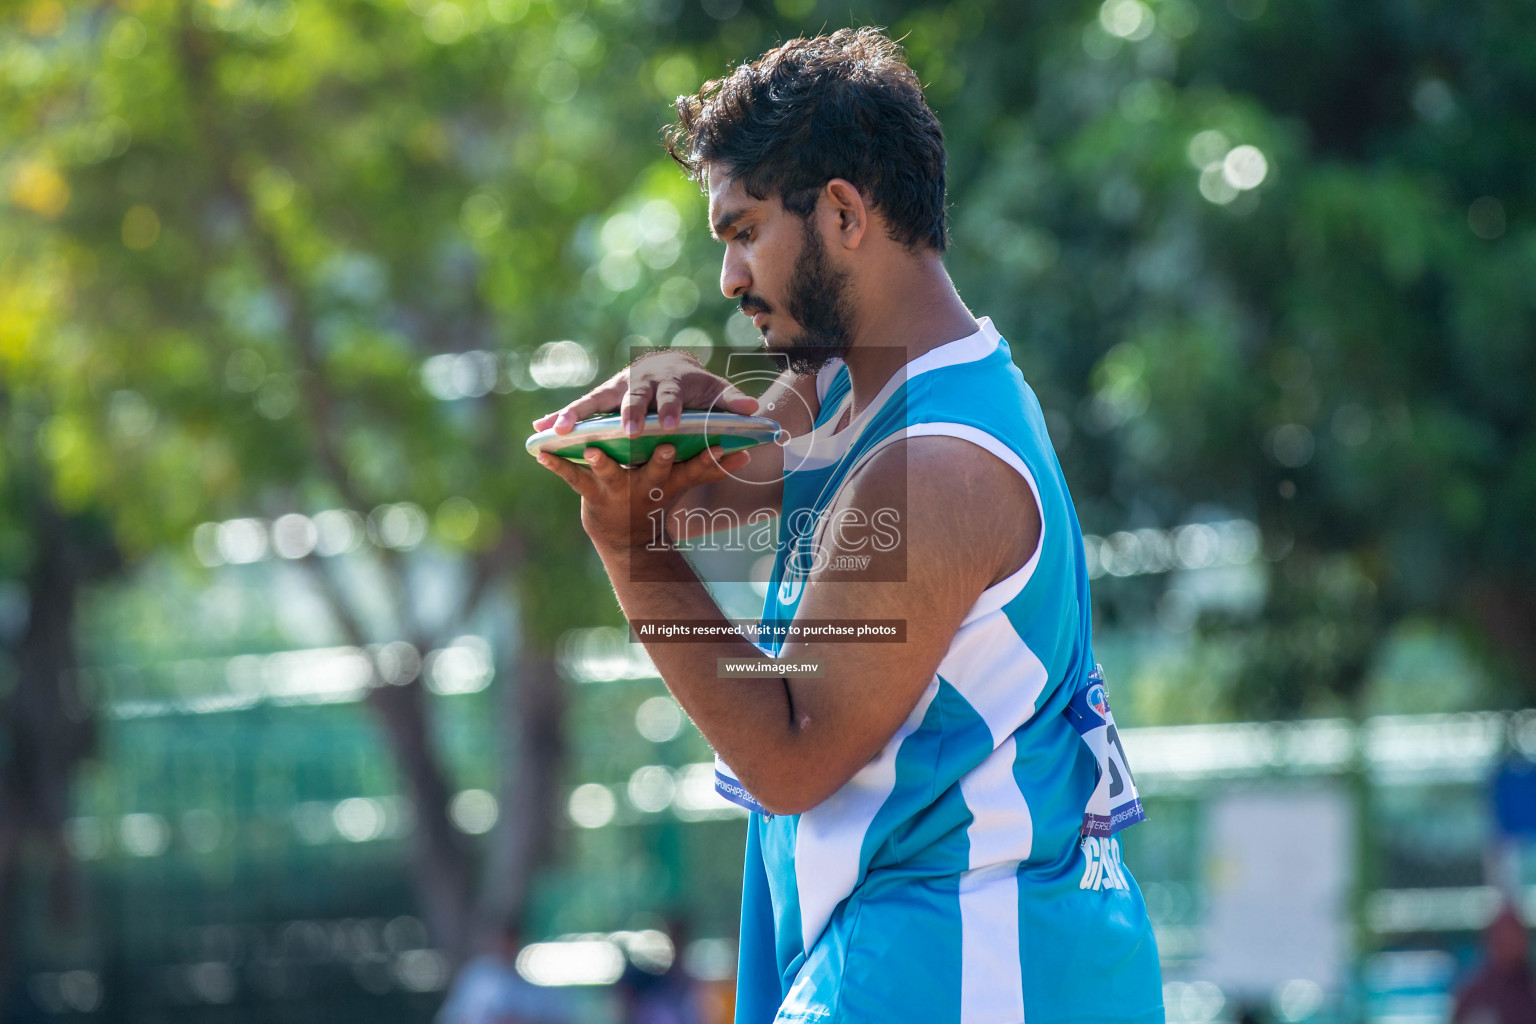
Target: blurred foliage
<point>237,229</point>
<point>1342,353</point>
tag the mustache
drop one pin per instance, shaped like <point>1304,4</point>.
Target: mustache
<point>751,305</point>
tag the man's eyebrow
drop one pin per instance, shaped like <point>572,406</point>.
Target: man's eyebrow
<point>725,223</point>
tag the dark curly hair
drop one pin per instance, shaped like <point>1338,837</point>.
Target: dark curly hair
<point>844,105</point>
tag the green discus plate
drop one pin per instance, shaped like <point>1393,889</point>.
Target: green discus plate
<point>695,431</point>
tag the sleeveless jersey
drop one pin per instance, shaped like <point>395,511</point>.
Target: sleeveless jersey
<point>970,872</point>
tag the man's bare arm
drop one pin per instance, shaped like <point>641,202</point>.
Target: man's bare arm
<point>969,520</point>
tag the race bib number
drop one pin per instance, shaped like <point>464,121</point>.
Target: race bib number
<point>1114,804</point>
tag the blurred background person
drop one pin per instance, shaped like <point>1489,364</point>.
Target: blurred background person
<point>650,994</point>
<point>1503,990</point>
<point>489,990</point>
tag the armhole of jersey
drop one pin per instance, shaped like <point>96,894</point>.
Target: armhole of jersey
<point>1008,588</point>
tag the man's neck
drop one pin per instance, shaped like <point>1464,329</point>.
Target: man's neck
<point>916,310</point>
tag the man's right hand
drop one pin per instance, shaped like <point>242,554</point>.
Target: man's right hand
<point>669,381</point>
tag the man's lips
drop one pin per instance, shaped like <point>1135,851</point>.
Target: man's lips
<point>759,319</point>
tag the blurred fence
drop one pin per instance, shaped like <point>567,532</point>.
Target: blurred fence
<point>248,861</point>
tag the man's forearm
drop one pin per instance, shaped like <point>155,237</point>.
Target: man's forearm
<point>680,523</point>
<point>748,720</point>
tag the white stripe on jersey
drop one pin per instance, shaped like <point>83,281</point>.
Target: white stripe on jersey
<point>991,972</point>
<point>829,838</point>
<point>1001,835</point>
<point>996,672</point>
<point>1001,830</point>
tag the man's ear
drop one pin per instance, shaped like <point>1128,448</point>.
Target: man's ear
<point>849,215</point>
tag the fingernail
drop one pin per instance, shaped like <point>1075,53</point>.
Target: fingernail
<point>666,451</point>
<point>632,429</point>
<point>669,421</point>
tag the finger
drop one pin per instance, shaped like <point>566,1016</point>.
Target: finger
<point>704,390</point>
<point>595,401</point>
<point>656,469</point>
<point>734,461</point>
<point>669,403</point>
<point>713,470</point>
<point>719,466</point>
<point>543,422</point>
<point>632,411</point>
<point>604,469</point>
<point>737,400</point>
<point>572,474</point>
<point>602,399</point>
<point>706,467</point>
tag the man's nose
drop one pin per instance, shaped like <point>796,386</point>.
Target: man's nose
<point>734,278</point>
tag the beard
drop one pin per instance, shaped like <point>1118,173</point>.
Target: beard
<point>819,302</point>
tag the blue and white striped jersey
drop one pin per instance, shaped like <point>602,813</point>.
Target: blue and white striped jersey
<point>970,872</point>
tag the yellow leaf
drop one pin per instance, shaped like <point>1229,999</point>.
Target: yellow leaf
<point>141,226</point>
<point>38,187</point>
<point>45,18</point>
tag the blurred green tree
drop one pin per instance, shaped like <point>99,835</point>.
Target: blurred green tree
<point>238,236</point>
<point>1269,260</point>
<point>46,725</point>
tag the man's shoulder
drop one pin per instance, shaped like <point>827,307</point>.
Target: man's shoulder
<point>955,497</point>
<point>944,471</point>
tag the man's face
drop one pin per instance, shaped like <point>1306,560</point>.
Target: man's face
<point>778,269</point>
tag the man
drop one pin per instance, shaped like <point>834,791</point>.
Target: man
<point>932,836</point>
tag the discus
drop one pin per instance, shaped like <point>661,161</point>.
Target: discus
<point>695,431</point>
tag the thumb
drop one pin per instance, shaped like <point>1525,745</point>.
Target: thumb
<point>737,400</point>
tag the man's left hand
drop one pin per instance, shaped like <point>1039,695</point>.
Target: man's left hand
<point>623,507</point>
